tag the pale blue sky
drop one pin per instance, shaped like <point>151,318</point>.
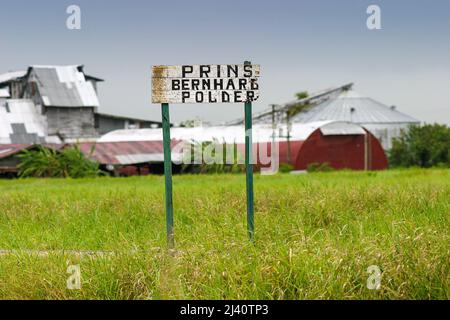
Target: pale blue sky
<point>300,45</point>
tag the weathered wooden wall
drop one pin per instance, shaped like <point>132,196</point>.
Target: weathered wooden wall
<point>71,123</point>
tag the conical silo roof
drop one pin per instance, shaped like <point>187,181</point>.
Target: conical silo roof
<point>353,107</point>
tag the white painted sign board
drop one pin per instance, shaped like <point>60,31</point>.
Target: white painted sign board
<point>205,83</point>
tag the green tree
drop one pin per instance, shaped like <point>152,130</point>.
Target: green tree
<point>302,95</point>
<point>301,106</point>
<point>424,146</point>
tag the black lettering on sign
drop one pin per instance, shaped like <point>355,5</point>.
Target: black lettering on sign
<point>254,84</point>
<point>186,70</point>
<point>176,84</point>
<point>247,71</point>
<point>218,84</point>
<point>206,84</point>
<point>232,70</point>
<point>185,95</point>
<point>242,84</point>
<point>195,84</point>
<point>185,84</point>
<point>250,95</point>
<point>230,85</point>
<point>199,97</point>
<point>237,96</point>
<point>218,71</point>
<point>225,96</point>
<point>204,71</point>
<point>211,97</point>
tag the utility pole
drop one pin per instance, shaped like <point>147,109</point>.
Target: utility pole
<point>288,133</point>
<point>274,127</point>
<point>367,152</point>
<point>288,136</point>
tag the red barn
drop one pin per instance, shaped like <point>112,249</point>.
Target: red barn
<point>342,145</point>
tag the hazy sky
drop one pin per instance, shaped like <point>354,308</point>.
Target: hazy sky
<point>300,45</point>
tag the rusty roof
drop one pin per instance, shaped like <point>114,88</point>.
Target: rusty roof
<point>126,152</point>
<point>7,150</point>
<point>115,153</point>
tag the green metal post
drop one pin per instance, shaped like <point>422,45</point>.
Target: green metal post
<point>249,167</point>
<point>168,173</point>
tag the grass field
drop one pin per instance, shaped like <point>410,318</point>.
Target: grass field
<point>316,235</point>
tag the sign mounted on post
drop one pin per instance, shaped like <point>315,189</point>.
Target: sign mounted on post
<point>205,83</point>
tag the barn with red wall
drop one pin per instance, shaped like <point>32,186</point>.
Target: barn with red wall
<point>340,151</point>
<point>342,145</point>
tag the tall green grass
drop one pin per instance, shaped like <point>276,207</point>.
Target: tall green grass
<point>316,235</point>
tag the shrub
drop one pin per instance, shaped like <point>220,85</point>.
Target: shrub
<point>423,146</point>
<point>285,167</point>
<point>47,163</point>
<point>319,167</point>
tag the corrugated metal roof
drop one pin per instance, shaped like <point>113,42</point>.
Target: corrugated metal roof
<point>313,99</point>
<point>129,152</point>
<point>11,149</point>
<point>235,134</point>
<point>7,150</point>
<point>64,86</point>
<point>341,129</point>
<point>127,159</point>
<point>21,123</point>
<point>352,107</point>
<point>8,76</point>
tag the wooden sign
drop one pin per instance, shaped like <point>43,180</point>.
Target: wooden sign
<point>205,84</point>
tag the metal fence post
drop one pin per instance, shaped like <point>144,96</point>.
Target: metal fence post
<point>168,173</point>
<point>249,167</point>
